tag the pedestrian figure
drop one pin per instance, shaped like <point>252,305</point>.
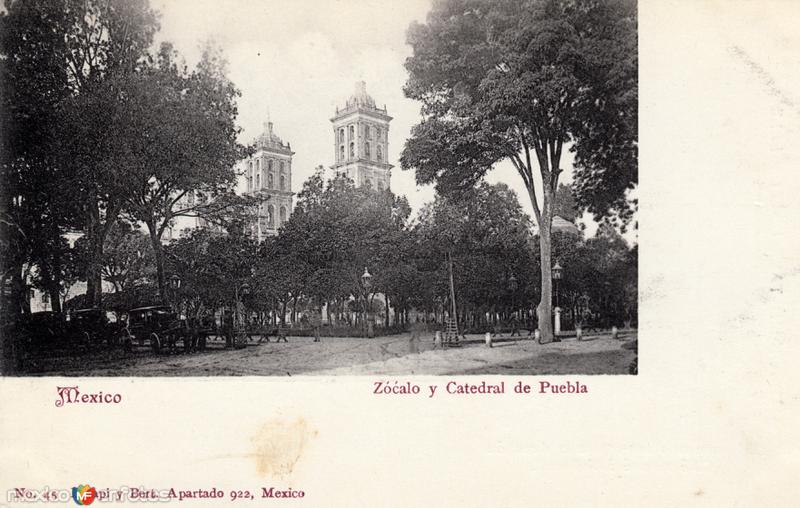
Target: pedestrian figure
<point>315,320</point>
<point>413,342</point>
<point>227,328</point>
<point>281,334</point>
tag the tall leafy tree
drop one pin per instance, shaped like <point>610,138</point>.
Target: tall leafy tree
<point>106,42</point>
<point>488,238</point>
<point>37,202</point>
<point>519,81</point>
<point>127,258</point>
<point>334,233</point>
<point>213,266</point>
<point>178,144</point>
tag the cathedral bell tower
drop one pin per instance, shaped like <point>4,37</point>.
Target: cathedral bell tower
<point>268,173</point>
<point>361,140</point>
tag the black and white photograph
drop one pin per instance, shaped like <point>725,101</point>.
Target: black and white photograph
<point>272,190</point>
<point>385,253</point>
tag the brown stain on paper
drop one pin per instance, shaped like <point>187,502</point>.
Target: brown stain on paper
<point>279,444</point>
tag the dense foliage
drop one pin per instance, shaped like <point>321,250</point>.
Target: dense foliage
<point>522,80</point>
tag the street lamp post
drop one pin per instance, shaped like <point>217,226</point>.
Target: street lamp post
<point>366,280</point>
<point>175,285</point>
<point>557,274</point>
<point>512,286</point>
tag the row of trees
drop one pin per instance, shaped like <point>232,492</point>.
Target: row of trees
<point>100,133</point>
<point>338,230</point>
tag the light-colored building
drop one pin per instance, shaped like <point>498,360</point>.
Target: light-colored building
<point>268,173</point>
<point>361,140</point>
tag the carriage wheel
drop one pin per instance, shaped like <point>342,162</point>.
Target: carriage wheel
<point>155,343</point>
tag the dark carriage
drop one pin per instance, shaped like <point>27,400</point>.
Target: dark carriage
<point>92,327</point>
<point>160,327</point>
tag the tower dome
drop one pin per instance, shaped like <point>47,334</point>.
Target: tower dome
<point>360,97</point>
<point>269,139</point>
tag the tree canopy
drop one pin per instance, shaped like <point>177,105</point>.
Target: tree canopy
<point>519,81</point>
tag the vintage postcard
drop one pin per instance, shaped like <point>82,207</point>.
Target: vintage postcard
<point>379,253</point>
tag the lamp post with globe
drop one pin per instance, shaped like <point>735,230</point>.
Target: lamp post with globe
<point>557,275</point>
<point>366,280</point>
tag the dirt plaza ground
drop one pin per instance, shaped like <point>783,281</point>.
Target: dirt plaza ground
<point>390,355</point>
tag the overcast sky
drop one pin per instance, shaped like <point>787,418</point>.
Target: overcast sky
<point>296,61</point>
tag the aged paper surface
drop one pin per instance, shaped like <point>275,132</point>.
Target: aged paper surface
<point>711,420</point>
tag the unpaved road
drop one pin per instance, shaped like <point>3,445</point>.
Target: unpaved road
<point>396,354</point>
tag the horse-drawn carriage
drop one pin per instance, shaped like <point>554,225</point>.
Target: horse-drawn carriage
<point>159,326</point>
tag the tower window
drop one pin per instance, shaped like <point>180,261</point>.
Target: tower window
<point>269,165</point>
<point>341,135</point>
<point>366,150</point>
<point>283,182</point>
<point>380,153</point>
<point>352,132</point>
<point>366,132</point>
<point>271,216</point>
<point>258,180</point>
<point>270,181</point>
<point>258,164</point>
<point>283,214</point>
<point>341,153</point>
<point>283,167</point>
<point>378,133</point>
<point>352,150</point>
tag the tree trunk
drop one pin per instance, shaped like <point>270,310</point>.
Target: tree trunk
<point>158,252</point>
<point>452,289</point>
<point>94,237</point>
<point>544,310</point>
<point>54,292</point>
